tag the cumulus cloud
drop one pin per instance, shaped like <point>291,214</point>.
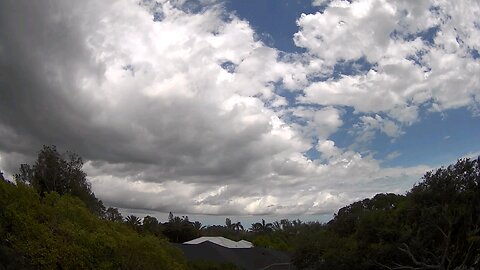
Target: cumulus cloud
<point>366,129</point>
<point>177,107</point>
<point>320,123</point>
<point>420,55</point>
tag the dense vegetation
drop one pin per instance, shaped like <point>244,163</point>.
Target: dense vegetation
<point>51,219</point>
<point>436,225</point>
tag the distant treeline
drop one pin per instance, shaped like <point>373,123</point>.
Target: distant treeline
<point>51,219</point>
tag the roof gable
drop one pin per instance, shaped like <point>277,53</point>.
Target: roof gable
<point>221,241</point>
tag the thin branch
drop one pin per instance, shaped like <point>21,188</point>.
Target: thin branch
<point>467,255</point>
<point>442,231</point>
<point>398,267</point>
<point>407,251</point>
<point>447,246</point>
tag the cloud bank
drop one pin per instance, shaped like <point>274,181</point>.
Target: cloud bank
<point>180,107</point>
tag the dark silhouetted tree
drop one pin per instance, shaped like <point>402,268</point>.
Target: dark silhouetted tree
<point>228,224</point>
<point>179,229</point>
<point>113,214</point>
<point>63,174</point>
<point>445,218</point>
<point>133,221</point>
<point>150,224</point>
<point>261,227</point>
<point>237,226</point>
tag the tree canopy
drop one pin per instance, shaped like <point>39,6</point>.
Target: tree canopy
<point>436,225</point>
<point>51,219</point>
<point>60,173</point>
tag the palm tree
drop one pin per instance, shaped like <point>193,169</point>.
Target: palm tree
<point>132,221</point>
<point>277,226</point>
<point>198,226</point>
<point>261,227</point>
<point>237,226</point>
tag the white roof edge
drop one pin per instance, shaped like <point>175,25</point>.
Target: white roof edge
<point>221,241</point>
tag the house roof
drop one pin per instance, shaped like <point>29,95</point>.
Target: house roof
<point>221,241</point>
<point>244,258</point>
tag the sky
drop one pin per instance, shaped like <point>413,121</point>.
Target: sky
<point>244,109</point>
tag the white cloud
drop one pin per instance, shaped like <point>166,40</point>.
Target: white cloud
<point>321,123</point>
<point>317,3</point>
<point>393,155</point>
<point>369,125</point>
<point>408,70</point>
<point>160,119</point>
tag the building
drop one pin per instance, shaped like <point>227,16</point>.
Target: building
<point>221,241</point>
<point>241,253</point>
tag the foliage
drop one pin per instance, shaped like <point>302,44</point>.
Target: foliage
<point>434,226</point>
<point>180,229</point>
<point>133,221</point>
<point>60,173</point>
<point>54,231</point>
<point>209,265</point>
<point>261,227</point>
<point>113,214</point>
<point>50,219</point>
<point>276,241</point>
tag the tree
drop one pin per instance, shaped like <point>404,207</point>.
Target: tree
<point>59,232</point>
<point>63,174</point>
<point>434,226</point>
<point>445,219</point>
<point>277,226</point>
<point>179,229</point>
<point>237,226</point>
<point>150,224</point>
<point>113,214</point>
<point>261,227</point>
<point>228,223</point>
<point>198,226</point>
<point>133,221</point>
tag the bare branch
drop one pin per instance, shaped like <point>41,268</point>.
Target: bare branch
<point>398,266</point>
<point>407,251</point>
<point>441,230</point>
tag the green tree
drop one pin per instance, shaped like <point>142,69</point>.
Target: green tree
<point>150,224</point>
<point>237,226</point>
<point>180,229</point>
<point>434,226</point>
<point>113,214</point>
<point>198,226</point>
<point>58,232</point>
<point>133,221</point>
<point>261,227</point>
<point>228,223</point>
<point>53,172</point>
<point>444,218</point>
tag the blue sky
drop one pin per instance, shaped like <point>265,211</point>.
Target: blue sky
<point>438,139</point>
<point>274,21</point>
<point>214,108</point>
